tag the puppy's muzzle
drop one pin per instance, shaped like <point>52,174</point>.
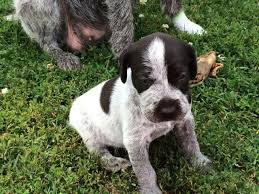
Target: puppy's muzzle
<point>168,109</point>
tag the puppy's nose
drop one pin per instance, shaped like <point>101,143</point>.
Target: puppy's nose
<point>168,109</point>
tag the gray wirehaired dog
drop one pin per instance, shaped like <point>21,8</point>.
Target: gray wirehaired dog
<point>150,98</point>
<point>74,24</point>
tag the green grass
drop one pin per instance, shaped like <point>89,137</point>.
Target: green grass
<point>39,153</point>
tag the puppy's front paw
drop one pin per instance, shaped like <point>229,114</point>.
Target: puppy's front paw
<point>151,190</point>
<point>68,61</point>
<point>116,163</point>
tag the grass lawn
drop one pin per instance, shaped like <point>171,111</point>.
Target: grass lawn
<point>39,153</point>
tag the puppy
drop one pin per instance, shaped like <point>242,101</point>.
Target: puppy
<point>150,98</point>
<point>58,25</point>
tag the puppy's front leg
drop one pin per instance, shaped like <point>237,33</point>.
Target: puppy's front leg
<point>121,25</point>
<point>137,148</point>
<point>187,141</point>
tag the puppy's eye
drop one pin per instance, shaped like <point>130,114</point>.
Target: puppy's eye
<point>142,79</point>
<point>144,75</point>
<point>142,84</point>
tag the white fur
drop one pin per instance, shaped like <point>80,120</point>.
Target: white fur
<point>86,110</point>
<point>184,24</point>
<point>155,53</point>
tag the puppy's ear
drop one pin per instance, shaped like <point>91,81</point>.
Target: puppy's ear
<point>124,62</point>
<point>132,57</point>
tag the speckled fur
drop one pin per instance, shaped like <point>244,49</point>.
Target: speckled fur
<point>45,21</point>
<point>129,123</point>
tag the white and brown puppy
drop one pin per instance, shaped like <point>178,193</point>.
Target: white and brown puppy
<point>150,98</point>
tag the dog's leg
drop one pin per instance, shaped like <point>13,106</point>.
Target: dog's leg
<point>109,161</point>
<point>113,163</point>
<point>121,25</point>
<point>92,138</point>
<point>173,9</point>
<point>138,153</point>
<point>187,142</point>
<point>41,21</point>
<point>65,60</point>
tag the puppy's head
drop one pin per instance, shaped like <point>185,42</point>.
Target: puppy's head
<point>161,68</point>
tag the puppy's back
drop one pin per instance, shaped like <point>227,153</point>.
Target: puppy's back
<point>99,110</point>
<point>86,106</point>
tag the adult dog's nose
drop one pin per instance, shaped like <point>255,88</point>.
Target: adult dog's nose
<point>168,109</point>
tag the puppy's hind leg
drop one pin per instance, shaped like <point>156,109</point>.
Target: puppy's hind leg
<point>110,162</point>
<point>42,21</point>
<point>94,142</point>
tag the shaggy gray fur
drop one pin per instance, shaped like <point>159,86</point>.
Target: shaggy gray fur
<point>46,21</point>
<point>171,7</point>
<point>121,22</point>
